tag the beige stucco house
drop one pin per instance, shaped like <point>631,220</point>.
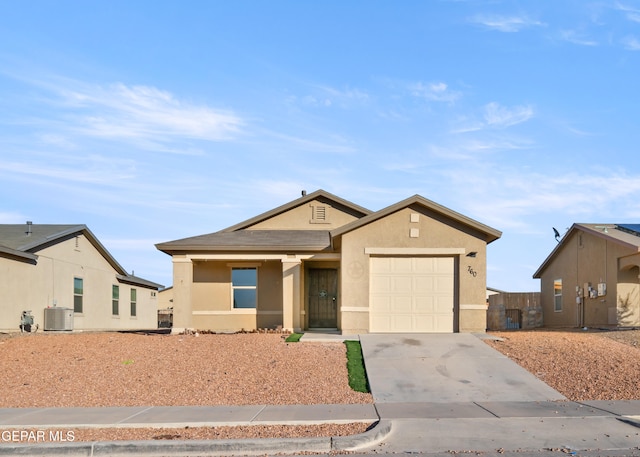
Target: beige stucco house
<point>591,278</point>
<point>322,262</point>
<point>51,269</point>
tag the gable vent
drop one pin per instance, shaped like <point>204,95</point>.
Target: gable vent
<point>319,214</point>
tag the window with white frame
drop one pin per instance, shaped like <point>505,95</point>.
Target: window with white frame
<point>244,286</point>
<point>115,300</point>
<point>134,303</point>
<point>557,295</point>
<point>78,293</point>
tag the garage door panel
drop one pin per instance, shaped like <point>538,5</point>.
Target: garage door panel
<point>424,305</point>
<point>411,294</point>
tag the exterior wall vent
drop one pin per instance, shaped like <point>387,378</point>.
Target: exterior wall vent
<point>58,319</point>
<point>319,214</point>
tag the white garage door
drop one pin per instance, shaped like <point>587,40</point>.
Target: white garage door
<point>411,294</point>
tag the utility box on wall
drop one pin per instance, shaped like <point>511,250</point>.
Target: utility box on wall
<point>58,319</point>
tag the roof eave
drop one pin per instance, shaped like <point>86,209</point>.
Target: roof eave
<point>207,248</point>
<point>21,256</point>
<point>135,281</point>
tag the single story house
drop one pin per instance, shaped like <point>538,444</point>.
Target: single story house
<point>322,262</point>
<point>592,277</point>
<point>69,281</point>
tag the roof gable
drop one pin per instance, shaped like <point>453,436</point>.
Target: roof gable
<point>610,232</point>
<point>24,241</point>
<point>489,234</point>
<point>261,221</point>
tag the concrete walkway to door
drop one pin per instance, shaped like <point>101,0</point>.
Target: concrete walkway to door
<point>446,368</point>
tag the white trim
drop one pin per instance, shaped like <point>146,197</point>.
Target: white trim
<point>245,264</point>
<point>225,313</point>
<point>414,251</point>
<point>482,307</point>
<point>354,309</point>
<point>259,257</point>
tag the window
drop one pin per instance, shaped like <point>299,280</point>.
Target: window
<point>133,303</point>
<point>244,283</point>
<point>557,295</point>
<point>78,292</point>
<point>115,300</point>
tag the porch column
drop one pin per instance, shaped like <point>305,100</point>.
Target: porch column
<point>182,283</point>
<point>291,294</point>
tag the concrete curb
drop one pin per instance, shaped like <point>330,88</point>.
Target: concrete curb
<point>356,442</point>
<point>630,420</point>
<point>202,447</point>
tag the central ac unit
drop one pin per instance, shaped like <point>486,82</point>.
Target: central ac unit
<point>58,319</point>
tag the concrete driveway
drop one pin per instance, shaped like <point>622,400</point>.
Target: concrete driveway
<point>445,368</point>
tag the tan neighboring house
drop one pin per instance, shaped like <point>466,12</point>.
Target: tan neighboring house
<point>591,278</point>
<point>322,262</point>
<point>65,273</point>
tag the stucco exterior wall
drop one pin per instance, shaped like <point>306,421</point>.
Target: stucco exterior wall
<point>628,291</point>
<point>50,282</point>
<point>433,231</point>
<point>211,305</point>
<point>583,259</point>
<point>301,218</point>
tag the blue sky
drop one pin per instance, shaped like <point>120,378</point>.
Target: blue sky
<point>151,121</point>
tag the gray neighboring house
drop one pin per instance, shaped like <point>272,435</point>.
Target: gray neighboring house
<point>65,267</point>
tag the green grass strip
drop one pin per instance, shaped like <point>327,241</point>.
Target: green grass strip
<point>294,338</point>
<point>355,367</point>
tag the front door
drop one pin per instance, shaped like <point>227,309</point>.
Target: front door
<point>322,298</point>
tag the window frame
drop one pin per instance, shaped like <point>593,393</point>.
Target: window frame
<point>78,296</point>
<point>557,295</point>
<point>244,287</point>
<point>133,308</point>
<point>115,300</point>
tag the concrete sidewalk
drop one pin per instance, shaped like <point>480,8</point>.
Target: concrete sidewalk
<point>179,416</point>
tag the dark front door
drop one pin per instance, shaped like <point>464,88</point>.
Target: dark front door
<point>322,298</point>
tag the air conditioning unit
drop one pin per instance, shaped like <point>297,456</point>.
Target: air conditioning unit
<point>60,319</point>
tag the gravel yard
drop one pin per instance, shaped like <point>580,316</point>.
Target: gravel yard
<point>581,365</point>
<point>119,369</point>
<point>123,369</point>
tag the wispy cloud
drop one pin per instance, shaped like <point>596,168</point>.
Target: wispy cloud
<point>575,37</point>
<point>438,91</point>
<point>91,169</point>
<point>508,197</point>
<point>326,96</point>
<point>507,24</point>
<point>496,115</point>
<point>125,111</point>
<point>633,14</point>
<point>148,117</point>
<point>631,43</point>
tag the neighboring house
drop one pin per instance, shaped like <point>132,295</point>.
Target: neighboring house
<point>165,307</point>
<point>66,267</point>
<point>321,262</point>
<point>491,291</point>
<point>591,278</point>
